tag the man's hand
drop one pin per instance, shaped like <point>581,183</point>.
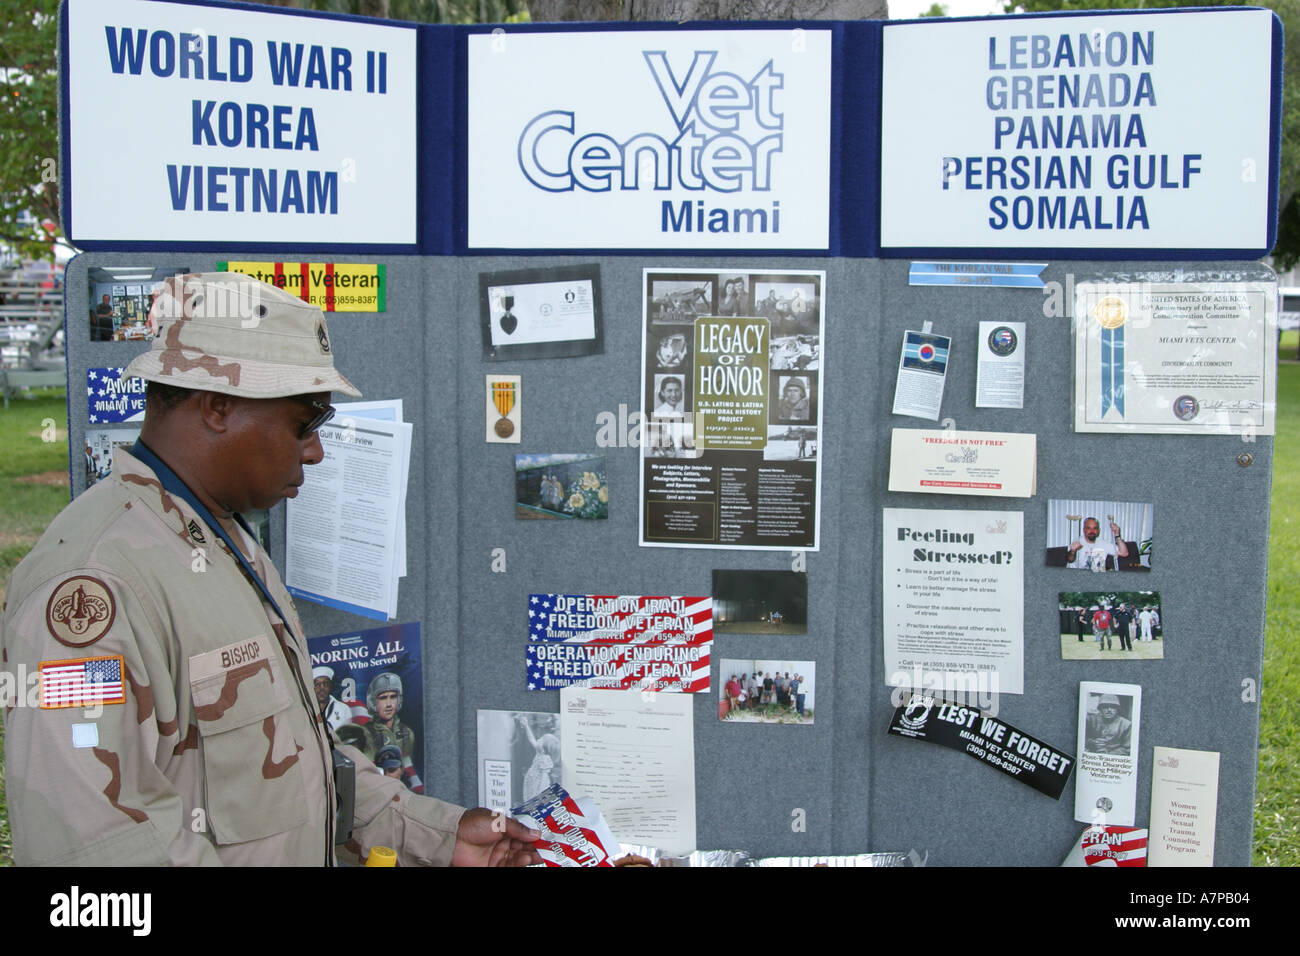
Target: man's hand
<point>1074,547</point>
<point>1114,530</point>
<point>485,838</point>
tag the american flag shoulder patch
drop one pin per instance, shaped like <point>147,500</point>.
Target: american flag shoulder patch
<point>82,682</point>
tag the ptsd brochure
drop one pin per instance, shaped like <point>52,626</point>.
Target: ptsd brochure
<point>1105,788</point>
<point>954,600</point>
<point>731,390</point>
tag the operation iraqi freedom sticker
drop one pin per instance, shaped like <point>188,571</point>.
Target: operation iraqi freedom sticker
<point>1110,312</point>
<point>80,611</point>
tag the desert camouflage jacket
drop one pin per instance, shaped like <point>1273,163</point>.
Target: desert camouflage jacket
<point>175,720</point>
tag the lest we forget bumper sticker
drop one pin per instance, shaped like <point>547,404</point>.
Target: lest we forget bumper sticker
<point>995,742</point>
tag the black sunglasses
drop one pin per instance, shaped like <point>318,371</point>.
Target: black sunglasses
<point>323,414</point>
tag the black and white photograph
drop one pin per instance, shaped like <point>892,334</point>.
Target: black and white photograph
<point>735,298</point>
<point>1111,626</point>
<point>670,439</point>
<point>1097,535</point>
<point>760,602</point>
<point>790,305</point>
<point>670,398</point>
<point>796,398</point>
<point>518,756</point>
<point>676,300</point>
<point>790,443</point>
<point>1108,724</point>
<point>766,691</point>
<point>541,313</point>
<point>673,351</point>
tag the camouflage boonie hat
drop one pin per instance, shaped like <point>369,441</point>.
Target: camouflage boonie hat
<point>226,332</point>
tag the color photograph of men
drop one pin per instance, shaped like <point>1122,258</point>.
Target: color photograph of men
<point>1099,536</point>
<point>767,692</point>
<point>1107,625</point>
<point>1107,727</point>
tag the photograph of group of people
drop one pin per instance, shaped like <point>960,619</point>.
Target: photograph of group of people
<point>766,691</point>
<point>1111,625</point>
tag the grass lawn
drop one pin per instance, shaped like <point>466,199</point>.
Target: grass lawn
<point>1277,799</point>
<point>1072,649</point>
<point>33,488</point>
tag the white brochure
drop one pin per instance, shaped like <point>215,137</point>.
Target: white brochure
<point>1105,778</point>
<point>1184,802</point>
<point>954,600</point>
<point>1000,368</point>
<point>922,370</point>
<point>634,754</point>
<point>343,541</point>
<point>1000,464</point>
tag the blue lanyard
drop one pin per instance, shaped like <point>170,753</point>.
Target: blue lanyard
<point>173,484</point>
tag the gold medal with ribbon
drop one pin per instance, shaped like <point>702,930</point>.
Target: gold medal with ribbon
<point>503,396</point>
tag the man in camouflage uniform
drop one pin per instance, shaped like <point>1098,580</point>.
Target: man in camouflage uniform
<point>177,720</point>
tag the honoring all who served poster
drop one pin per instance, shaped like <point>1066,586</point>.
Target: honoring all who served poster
<point>732,396</point>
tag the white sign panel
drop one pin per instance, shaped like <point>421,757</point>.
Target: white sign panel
<point>677,140</point>
<point>1148,131</point>
<point>195,123</point>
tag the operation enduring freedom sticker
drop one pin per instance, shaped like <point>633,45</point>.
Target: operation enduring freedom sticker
<point>1111,312</point>
<point>80,611</point>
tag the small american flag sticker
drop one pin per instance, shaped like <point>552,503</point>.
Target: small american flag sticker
<point>79,683</point>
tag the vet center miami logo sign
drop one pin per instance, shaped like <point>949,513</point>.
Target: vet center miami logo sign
<point>684,139</point>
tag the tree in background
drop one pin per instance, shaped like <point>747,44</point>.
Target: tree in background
<point>1287,252</point>
<point>29,126</point>
<point>419,11</point>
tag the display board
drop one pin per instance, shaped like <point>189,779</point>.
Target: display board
<point>855,787</point>
<point>584,358</point>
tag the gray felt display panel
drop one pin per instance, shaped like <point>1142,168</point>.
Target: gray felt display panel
<point>860,790</point>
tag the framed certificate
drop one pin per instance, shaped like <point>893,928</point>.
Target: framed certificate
<point>541,313</point>
<point>1175,357</point>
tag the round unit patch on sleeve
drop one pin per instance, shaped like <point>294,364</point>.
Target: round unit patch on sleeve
<point>80,611</point>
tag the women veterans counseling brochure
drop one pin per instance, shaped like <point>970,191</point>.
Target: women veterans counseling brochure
<point>731,395</point>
